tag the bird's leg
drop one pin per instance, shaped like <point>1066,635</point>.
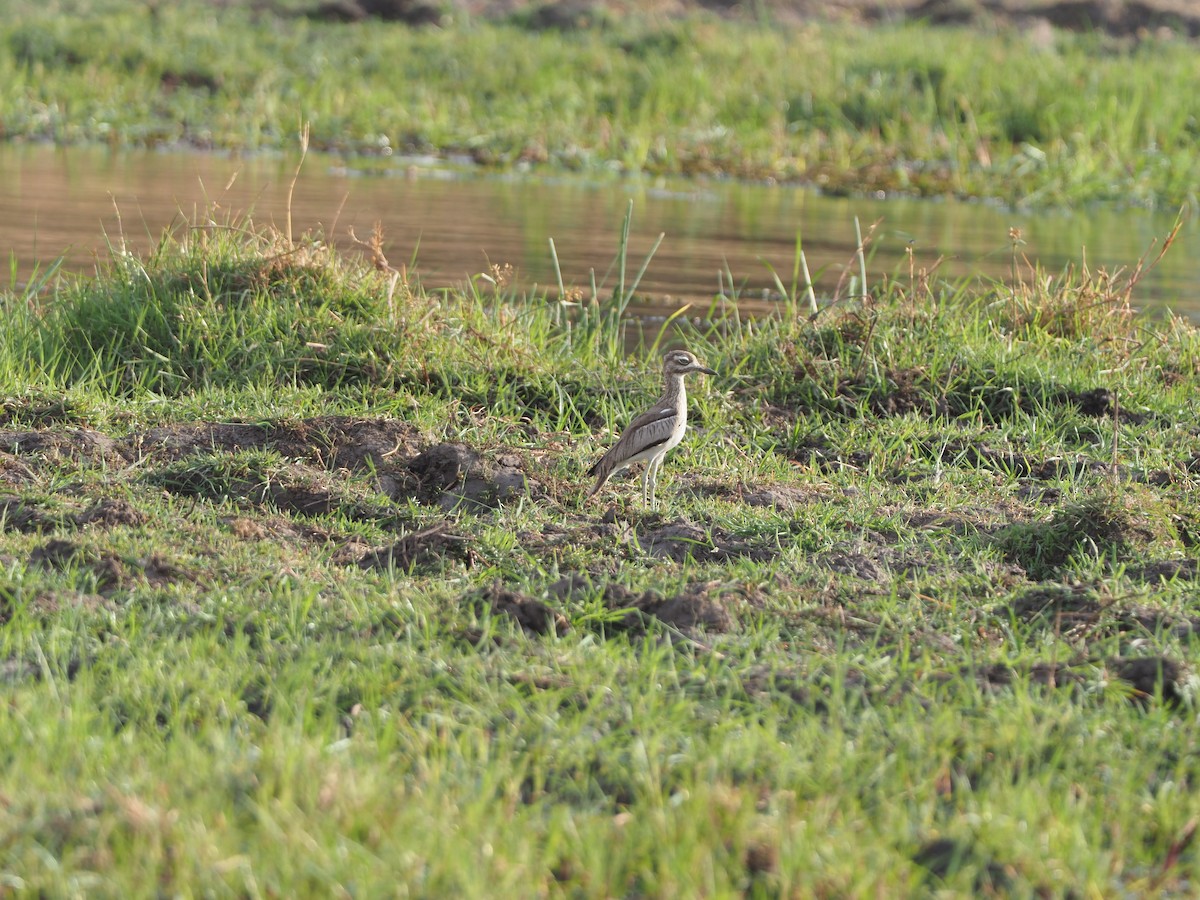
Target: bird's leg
<point>652,470</point>
<point>646,482</point>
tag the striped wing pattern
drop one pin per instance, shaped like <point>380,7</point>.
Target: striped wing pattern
<point>649,430</point>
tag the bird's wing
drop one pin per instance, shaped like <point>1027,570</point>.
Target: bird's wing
<point>654,426</point>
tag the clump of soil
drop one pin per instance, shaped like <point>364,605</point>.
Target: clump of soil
<point>345,442</point>
<point>453,476</point>
<point>692,611</point>
<point>110,571</point>
<point>1064,606</point>
<point>943,857</point>
<point>27,516</point>
<point>996,676</point>
<point>1077,611</point>
<point>803,687</point>
<point>51,445</point>
<point>263,480</point>
<point>1132,18</point>
<point>36,412</point>
<point>1165,570</point>
<point>177,441</point>
<point>682,542</point>
<point>14,471</point>
<point>422,551</point>
<point>776,496</point>
<point>1126,523</point>
<point>1146,676</point>
<point>110,512</point>
<point>410,12</point>
<point>532,615</point>
<point>329,441</point>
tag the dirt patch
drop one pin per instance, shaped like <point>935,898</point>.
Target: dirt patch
<point>36,412</point>
<point>1130,524</point>
<point>682,543</point>
<point>13,471</point>
<point>410,12</point>
<point>815,452</point>
<point>803,687</point>
<point>1077,612</point>
<point>422,551</point>
<point>944,857</point>
<point>693,611</point>
<point>61,554</point>
<point>998,676</point>
<point>110,571</point>
<point>26,516</point>
<point>177,441</point>
<point>787,498</point>
<point>878,556</point>
<point>532,615</point>
<point>348,443</point>
<point>453,476</point>
<point>1165,570</point>
<point>1011,462</point>
<point>263,480</point>
<point>1132,18</point>
<point>81,445</point>
<point>112,512</point>
<point>1147,677</point>
<point>328,441</point>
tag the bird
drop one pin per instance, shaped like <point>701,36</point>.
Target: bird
<point>654,432</point>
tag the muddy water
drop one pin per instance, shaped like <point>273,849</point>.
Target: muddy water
<point>74,202</point>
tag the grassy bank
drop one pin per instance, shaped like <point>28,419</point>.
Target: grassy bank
<point>1022,116</point>
<point>299,594</point>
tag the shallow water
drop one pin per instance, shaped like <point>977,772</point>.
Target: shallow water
<point>456,223</point>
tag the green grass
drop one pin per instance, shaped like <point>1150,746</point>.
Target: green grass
<point>883,636</point>
<point>900,109</point>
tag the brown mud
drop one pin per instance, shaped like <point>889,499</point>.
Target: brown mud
<point>1120,18</point>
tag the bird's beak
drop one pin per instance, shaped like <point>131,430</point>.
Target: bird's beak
<point>706,370</point>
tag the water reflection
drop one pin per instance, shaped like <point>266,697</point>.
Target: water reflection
<point>76,200</point>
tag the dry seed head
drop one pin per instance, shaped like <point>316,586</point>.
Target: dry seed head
<point>501,274</point>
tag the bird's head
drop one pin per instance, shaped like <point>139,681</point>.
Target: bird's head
<point>681,362</point>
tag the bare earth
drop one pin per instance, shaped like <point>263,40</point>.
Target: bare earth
<point>1126,18</point>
